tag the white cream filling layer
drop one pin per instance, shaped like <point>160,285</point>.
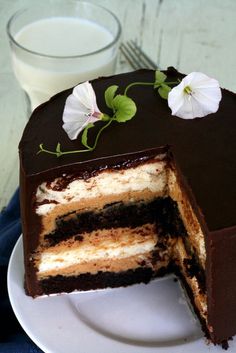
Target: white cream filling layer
<point>84,253</point>
<point>150,176</point>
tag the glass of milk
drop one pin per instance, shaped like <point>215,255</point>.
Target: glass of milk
<point>60,43</point>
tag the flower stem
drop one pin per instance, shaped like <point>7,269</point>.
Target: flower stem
<point>146,84</point>
<point>59,153</point>
<point>138,84</point>
<point>71,152</point>
<point>99,133</point>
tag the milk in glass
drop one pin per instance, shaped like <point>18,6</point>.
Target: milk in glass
<point>59,57</point>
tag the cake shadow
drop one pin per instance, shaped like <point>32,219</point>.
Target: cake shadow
<point>152,315</point>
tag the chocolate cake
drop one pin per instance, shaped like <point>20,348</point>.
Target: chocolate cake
<point>156,195</point>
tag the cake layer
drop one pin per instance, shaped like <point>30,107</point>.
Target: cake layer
<point>149,176</point>
<point>99,280</point>
<point>120,214</point>
<point>65,211</point>
<point>144,260</point>
<point>183,259</point>
<point>99,245</point>
<point>188,217</point>
<point>115,250</point>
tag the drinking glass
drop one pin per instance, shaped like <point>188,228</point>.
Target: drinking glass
<point>61,43</point>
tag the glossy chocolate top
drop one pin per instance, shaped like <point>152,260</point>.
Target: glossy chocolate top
<point>204,149</point>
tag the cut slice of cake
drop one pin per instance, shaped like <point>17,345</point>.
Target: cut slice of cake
<point>157,195</point>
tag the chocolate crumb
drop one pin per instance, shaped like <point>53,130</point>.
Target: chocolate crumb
<point>79,237</point>
<point>225,344</point>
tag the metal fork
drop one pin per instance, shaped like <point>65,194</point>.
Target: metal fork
<point>136,56</point>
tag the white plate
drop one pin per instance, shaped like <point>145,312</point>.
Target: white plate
<point>138,319</point>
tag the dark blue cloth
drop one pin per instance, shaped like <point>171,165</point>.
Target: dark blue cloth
<point>12,337</point>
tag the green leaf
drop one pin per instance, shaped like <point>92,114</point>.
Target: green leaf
<point>164,90</point>
<point>109,95</point>
<point>84,138</point>
<point>125,108</point>
<point>160,77</point>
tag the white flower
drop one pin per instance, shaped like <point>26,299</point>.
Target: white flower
<point>80,110</point>
<point>196,96</point>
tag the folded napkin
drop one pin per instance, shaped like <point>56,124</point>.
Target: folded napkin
<point>12,337</point>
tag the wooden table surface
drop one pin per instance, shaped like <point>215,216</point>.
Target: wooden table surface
<point>192,35</point>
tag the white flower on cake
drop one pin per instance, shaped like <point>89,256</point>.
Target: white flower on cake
<point>80,110</point>
<point>196,96</point>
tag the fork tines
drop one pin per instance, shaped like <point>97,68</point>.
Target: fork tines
<point>136,56</point>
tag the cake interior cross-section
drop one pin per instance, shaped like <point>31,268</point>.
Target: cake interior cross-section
<point>156,196</point>
<point>118,221</point>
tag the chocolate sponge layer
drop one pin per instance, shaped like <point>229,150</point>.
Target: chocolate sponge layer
<point>100,280</point>
<point>162,211</point>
